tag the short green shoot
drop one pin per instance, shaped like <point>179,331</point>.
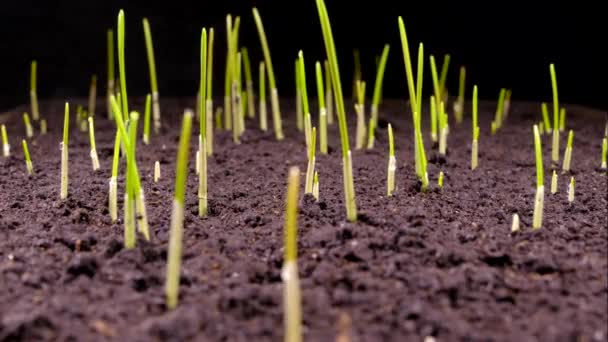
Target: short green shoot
<point>540,188</point>
<point>459,104</point>
<point>315,186</point>
<point>94,158</point>
<point>562,119</point>
<point>152,68</point>
<point>29,129</point>
<point>604,153</point>
<point>330,48</point>
<point>440,180</point>
<point>292,311</point>
<point>474,144</point>
<point>33,91</point>
<point>568,153</point>
<point>322,110</point>
<point>499,111</point>
<point>360,109</point>
<point>156,171</point>
<point>310,170</point>
<point>174,255</point>
<point>554,182</point>
<point>263,106</point>
<point>571,190</point>
<point>28,160</point>
<point>92,95</point>
<point>515,223</point>
<point>248,83</point>
<point>146,136</point>
<point>209,91</point>
<point>43,126</point>
<point>274,94</point>
<point>392,163</point>
<point>111,76</point>
<point>545,113</point>
<point>6,147</point>
<point>64,153</point>
<point>555,146</point>
<point>373,123</point>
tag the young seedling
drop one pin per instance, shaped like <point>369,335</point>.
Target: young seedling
<point>237,118</point>
<point>443,129</point>
<point>292,310</point>
<point>202,139</point>
<point>507,103</point>
<point>209,91</point>
<point>360,109</point>
<point>156,171</point>
<point>28,161</point>
<point>121,65</point>
<point>474,144</point>
<point>92,95</point>
<point>497,123</point>
<point>392,163</point>
<point>315,186</point>
<point>537,220</point>
<point>153,83</point>
<point>64,153</point>
<point>263,107</point>
<point>174,255</point>
<point>6,148</point>
<point>568,153</point>
<point>274,93</point>
<point>43,126</point>
<point>322,110</point>
<point>440,180</point>
<point>515,223</point>
<point>304,94</point>
<point>442,80</point>
<point>562,119</point>
<point>436,85</point>
<point>571,190</point>
<point>554,182</point>
<point>146,135</point>
<point>433,105</point>
<point>299,115</point>
<point>113,192</point>
<point>94,158</point>
<point>459,104</point>
<point>228,74</point>
<point>555,146</point>
<point>330,48</point>
<point>29,129</point>
<point>604,152</point>
<point>248,83</point>
<point>310,170</point>
<point>329,97</point>
<point>33,92</point>
<point>545,113</point>
<point>111,76</point>
<point>373,121</point>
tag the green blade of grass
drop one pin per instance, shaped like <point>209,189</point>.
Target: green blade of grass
<point>121,62</point>
<point>150,53</point>
<point>539,157</point>
<point>380,76</point>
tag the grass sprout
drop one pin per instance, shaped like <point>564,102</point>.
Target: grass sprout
<point>29,129</point>
<point>360,109</point>
<point>228,74</point>
<point>153,81</point>
<point>315,186</point>
<point>33,91</point>
<point>537,220</point>
<point>604,152</point>
<point>443,129</point>
<point>433,105</point>
<point>392,163</point>
<point>304,95</point>
<point>202,139</point>
<point>94,158</point>
<point>562,119</point>
<point>274,94</point>
<point>555,145</point>
<point>209,91</point>
<point>373,121</point>
<point>174,254</point>
<point>292,311</point>
<point>146,135</point>
<point>113,191</point>
<point>474,143</point>
<point>64,153</point>
<point>28,161</point>
<point>568,152</point>
<point>440,180</point>
<point>329,98</point>
<point>263,106</point>
<point>571,190</point>
<point>515,223</point>
<point>322,109</point>
<point>443,78</point>
<point>121,64</point>
<point>546,121</point>
<point>6,147</point>
<point>299,116</point>
<point>459,104</point>
<point>498,117</point>
<point>92,95</point>
<point>310,170</point>
<point>554,182</point>
<point>248,84</point>
<point>156,171</point>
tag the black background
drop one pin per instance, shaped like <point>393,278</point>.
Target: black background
<point>503,44</point>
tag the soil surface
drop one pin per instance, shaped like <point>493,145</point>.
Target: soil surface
<point>441,263</point>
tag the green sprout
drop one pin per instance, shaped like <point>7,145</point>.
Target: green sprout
<point>304,93</point>
<point>299,116</point>
<point>540,188</point>
<point>310,170</point>
<point>113,192</point>
<point>329,98</point>
<point>442,80</point>
<point>146,136</point>
<point>6,147</point>
<point>237,119</point>
<point>497,123</point>
<point>474,144</point>
<point>322,110</point>
<point>440,180</point>
<point>443,129</point>
<point>94,158</point>
<point>562,119</point>
<point>571,190</point>
<point>515,223</point>
<point>29,129</point>
<point>111,76</point>
<point>177,215</point>
<point>209,91</point>
<point>315,186</point>
<point>202,152</point>
<point>433,105</point>
<point>554,182</point>
<point>555,146</point>
<point>92,95</point>
<point>121,63</point>
<point>43,126</point>
<point>33,91</point>
<point>263,108</point>
<point>604,152</point>
<point>249,83</point>
<point>568,152</point>
<point>436,86</point>
<point>546,121</point>
<point>459,104</point>
<point>28,161</point>
<point>156,171</point>
<point>373,121</point>
<point>392,163</point>
<point>360,109</point>
<point>228,74</point>
<point>274,94</point>
<point>330,48</point>
<point>291,283</point>
<point>64,153</point>
<point>153,82</point>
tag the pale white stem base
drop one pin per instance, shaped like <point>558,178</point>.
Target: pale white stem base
<point>202,179</point>
<point>197,163</point>
<point>515,223</point>
<point>554,183</point>
<point>443,140</point>
<point>34,104</point>
<point>263,115</point>
<point>146,139</point>
<point>156,171</point>
<point>474,154</point>
<point>43,126</point>
<point>390,179</point>
<point>329,102</point>
<point>458,110</point>
<point>64,171</point>
<point>315,187</point>
<point>209,126</point>
<point>227,113</point>
<point>94,160</point>
<point>360,138</point>
<point>310,171</point>
<point>539,200</point>
<point>349,188</point>
<point>110,92</point>
<point>174,258</point>
<point>112,200</point>
<point>6,150</point>
<point>129,222</point>
<point>567,158</point>
<point>29,131</point>
<point>250,100</point>
<point>555,150</point>
<point>29,167</point>
<point>323,130</point>
<point>156,112</point>
<point>292,309</point>
<point>276,114</point>
<point>571,192</point>
<point>142,215</point>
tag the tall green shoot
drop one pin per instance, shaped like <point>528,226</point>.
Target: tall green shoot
<point>443,78</point>
<point>459,104</point>
<point>202,156</point>
<point>329,97</point>
<point>373,121</point>
<point>228,75</point>
<point>540,187</point>
<point>299,115</point>
<point>153,81</point>
<point>475,128</point>
<point>555,145</point>
<point>29,129</point>
<point>209,91</point>
<point>322,109</point>
<point>64,153</point>
<point>304,93</point>
<point>248,83</point>
<point>121,63</point>
<point>33,91</point>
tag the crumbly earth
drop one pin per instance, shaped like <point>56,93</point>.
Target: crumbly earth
<point>442,263</point>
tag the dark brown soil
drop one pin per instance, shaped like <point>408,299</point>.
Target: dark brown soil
<point>441,263</point>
